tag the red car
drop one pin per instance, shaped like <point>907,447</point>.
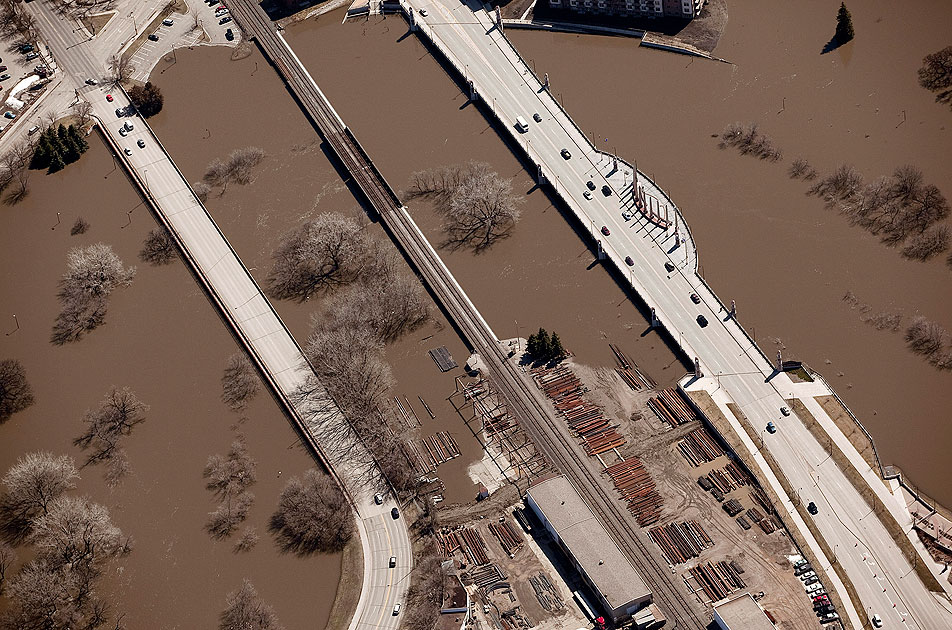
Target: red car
<point>109,97</point>
<point>605,230</point>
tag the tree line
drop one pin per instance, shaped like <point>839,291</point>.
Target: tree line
<point>543,347</point>
<point>58,147</point>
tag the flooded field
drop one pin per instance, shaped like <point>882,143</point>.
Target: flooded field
<point>786,260</point>
<point>163,340</point>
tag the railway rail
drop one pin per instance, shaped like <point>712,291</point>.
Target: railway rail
<point>510,381</point>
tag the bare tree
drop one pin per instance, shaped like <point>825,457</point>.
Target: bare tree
<point>77,534</point>
<point>239,168</point>
<point>231,512</point>
<point>247,540</point>
<point>244,610</point>
<point>801,169</point>
<point>928,244</point>
<point>240,383</point>
<point>386,306</point>
<point>7,559</point>
<point>840,185</point>
<point>81,226</point>
<point>121,68</point>
<point>33,483</point>
<point>425,594</point>
<point>478,206</point>
<point>326,252</point>
<point>117,415</point>
<point>312,515</point>
<point>935,74</point>
<point>232,474</point>
<point>83,110</point>
<point>201,190</point>
<point>926,338</point>
<point>749,141</point>
<point>885,321</point>
<point>14,174</point>
<point>92,273</point>
<point>16,393</point>
<point>159,248</point>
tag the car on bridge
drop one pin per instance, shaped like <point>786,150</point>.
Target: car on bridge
<point>109,97</point>
<point>536,117</point>
<point>702,321</point>
<point>393,561</point>
<point>141,143</point>
<point>378,498</point>
<point>877,621</point>
<point>606,190</point>
<point>627,215</point>
<point>587,194</point>
<point>629,261</point>
<point>695,298</point>
<point>812,508</point>
<point>395,513</point>
<point>606,231</point>
<point>669,266</point>
<point>771,428</point>
<point>423,12</point>
<point>127,151</point>
<point>566,154</point>
<point>118,112</point>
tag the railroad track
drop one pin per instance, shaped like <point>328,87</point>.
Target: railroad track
<point>521,394</point>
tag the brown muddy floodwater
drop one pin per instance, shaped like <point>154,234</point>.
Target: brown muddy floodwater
<point>785,259</point>
<point>162,339</point>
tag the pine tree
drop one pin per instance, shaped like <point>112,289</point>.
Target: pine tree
<point>56,164</point>
<point>844,24</point>
<point>77,139</point>
<point>557,351</point>
<point>41,155</point>
<point>532,347</point>
<point>544,344</point>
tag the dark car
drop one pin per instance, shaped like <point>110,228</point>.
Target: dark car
<point>669,266</point>
<point>224,20</point>
<point>118,112</point>
<point>695,298</point>
<point>536,117</point>
<point>3,68</point>
<point>395,513</point>
<point>606,231</point>
<point>590,184</point>
<point>153,37</point>
<point>566,154</point>
<point>25,48</point>
<point>812,508</point>
<point>606,190</point>
<point>701,321</point>
<point>229,35</point>
<point>4,76</point>
<point>629,261</point>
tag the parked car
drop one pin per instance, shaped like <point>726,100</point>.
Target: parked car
<point>811,580</point>
<point>808,574</point>
<point>829,618</point>
<point>4,76</point>
<point>812,588</point>
<point>141,143</point>
<point>812,508</point>
<point>92,82</point>
<point>606,190</point>
<point>153,37</point>
<point>536,117</point>
<point>167,22</point>
<point>220,11</point>
<point>629,261</point>
<point>823,599</point>
<point>606,231</point>
<point>395,513</point>
<point>229,35</point>
<point>224,20</point>
<point>32,56</point>
<point>702,321</point>
<point>9,115</point>
<point>800,562</point>
<point>3,68</point>
<point>32,130</point>
<point>803,568</point>
<point>26,48</point>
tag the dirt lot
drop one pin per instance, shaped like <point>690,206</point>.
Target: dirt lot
<point>763,557</point>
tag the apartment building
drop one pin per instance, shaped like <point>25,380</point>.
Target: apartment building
<point>634,8</point>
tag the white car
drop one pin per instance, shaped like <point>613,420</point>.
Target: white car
<point>626,215</point>
<point>423,12</point>
<point>127,151</point>
<point>877,621</point>
<point>141,143</point>
<point>122,131</point>
<point>813,587</point>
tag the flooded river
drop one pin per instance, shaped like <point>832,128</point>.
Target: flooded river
<point>163,340</point>
<point>785,259</point>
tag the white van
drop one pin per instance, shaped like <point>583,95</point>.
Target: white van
<point>521,124</point>
<point>32,130</point>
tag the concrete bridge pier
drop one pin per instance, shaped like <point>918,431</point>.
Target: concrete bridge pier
<point>779,361</point>
<point>601,251</point>
<point>733,310</point>
<point>654,318</point>
<point>412,19</point>
<point>697,368</point>
<point>545,80</point>
<point>498,19</point>
<point>540,176</point>
<point>472,90</point>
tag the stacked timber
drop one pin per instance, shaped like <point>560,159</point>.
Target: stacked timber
<point>440,448</point>
<point>486,576</point>
<point>680,542</point>
<point>629,371</point>
<point>743,522</point>
<point>509,539</point>
<point>761,499</point>
<point>637,488</point>
<point>546,593</point>
<point>717,579</point>
<point>472,546</point>
<point>586,419</point>
<point>698,447</point>
<point>672,407</point>
<point>421,463</point>
<point>732,507</point>
<point>448,542</point>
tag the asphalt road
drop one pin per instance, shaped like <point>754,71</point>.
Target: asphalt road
<point>883,578</point>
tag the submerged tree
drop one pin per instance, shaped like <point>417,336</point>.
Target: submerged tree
<point>240,383</point>
<point>844,24</point>
<point>118,413</point>
<point>32,485</point>
<point>312,515</point>
<point>159,248</point>
<point>935,74</point>
<point>16,393</point>
<point>245,610</point>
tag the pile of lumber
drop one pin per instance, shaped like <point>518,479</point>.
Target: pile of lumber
<point>732,507</point>
<point>546,593</point>
<point>586,419</point>
<point>717,579</point>
<point>509,539</point>
<point>680,542</point>
<point>638,489</point>
<point>472,546</point>
<point>440,448</point>
<point>448,542</point>
<point>629,371</point>
<point>672,407</point>
<point>486,576</point>
<point>699,447</point>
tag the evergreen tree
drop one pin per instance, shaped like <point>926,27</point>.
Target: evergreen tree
<point>41,155</point>
<point>56,164</point>
<point>544,344</point>
<point>77,139</point>
<point>557,351</point>
<point>532,347</point>
<point>844,24</point>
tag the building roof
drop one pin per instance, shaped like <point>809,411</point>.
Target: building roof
<point>743,613</point>
<point>588,542</point>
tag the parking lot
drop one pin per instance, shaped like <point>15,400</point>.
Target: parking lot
<point>200,25</point>
<point>21,67</point>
